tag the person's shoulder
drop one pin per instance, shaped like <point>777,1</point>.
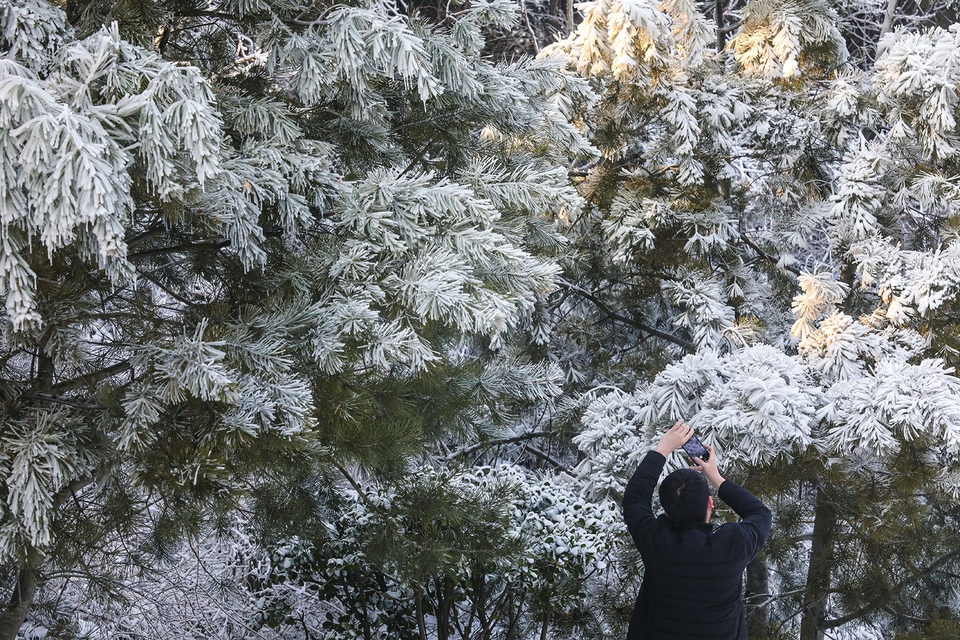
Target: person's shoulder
<point>663,529</point>
<point>728,530</point>
<point>731,536</point>
<point>658,526</point>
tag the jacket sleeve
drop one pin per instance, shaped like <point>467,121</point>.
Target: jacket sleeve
<point>756,517</point>
<point>638,496</point>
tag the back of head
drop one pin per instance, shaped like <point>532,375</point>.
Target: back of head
<point>684,494</point>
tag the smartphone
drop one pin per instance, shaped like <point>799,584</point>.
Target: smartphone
<point>695,449</point>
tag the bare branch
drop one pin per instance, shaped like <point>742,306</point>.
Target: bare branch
<point>495,443</point>
<point>766,256</point>
<point>669,337</point>
<point>67,402</point>
<point>217,243</point>
<point>90,379</point>
<point>546,458</point>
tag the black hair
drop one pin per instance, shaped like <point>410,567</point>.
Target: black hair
<point>684,494</point>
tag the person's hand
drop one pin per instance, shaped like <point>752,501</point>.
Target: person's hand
<point>676,437</point>
<point>709,468</point>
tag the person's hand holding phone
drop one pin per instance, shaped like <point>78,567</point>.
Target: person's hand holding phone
<point>674,438</point>
<point>709,468</point>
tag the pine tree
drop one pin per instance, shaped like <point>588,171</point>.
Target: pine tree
<point>273,243</point>
<point>746,201</point>
<point>294,345</point>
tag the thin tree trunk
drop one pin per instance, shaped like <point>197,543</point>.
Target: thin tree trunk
<point>758,618</point>
<point>25,589</point>
<point>818,573</point>
<point>480,602</point>
<point>444,605</point>
<point>526,22</point>
<point>513,615</point>
<point>421,623</point>
<point>888,17</point>
<point>20,602</point>
<point>718,12</point>
<point>546,624</point>
<point>364,618</point>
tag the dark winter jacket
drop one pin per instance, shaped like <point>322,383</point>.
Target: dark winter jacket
<point>693,575</point>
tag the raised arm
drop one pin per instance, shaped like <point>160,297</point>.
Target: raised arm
<point>755,516</point>
<point>638,496</point>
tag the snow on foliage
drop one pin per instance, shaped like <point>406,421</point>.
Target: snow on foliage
<point>859,195</point>
<point>33,31</point>
<point>778,35</point>
<point>705,313</point>
<point>611,444</point>
<point>846,349</point>
<point>562,532</point>
<point>910,283</point>
<point>72,123</point>
<point>915,77</point>
<point>229,253</point>
<point>898,402</point>
<point>40,458</point>
<point>811,206</point>
<point>758,404</point>
<point>372,201</point>
<point>754,405</point>
<point>821,293</point>
<point>555,542</point>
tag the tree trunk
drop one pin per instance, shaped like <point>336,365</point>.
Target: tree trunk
<point>546,624</point>
<point>758,616</point>
<point>480,602</point>
<point>444,606</point>
<point>25,590</point>
<point>718,12</point>
<point>514,609</point>
<point>364,616</point>
<point>20,602</point>
<point>421,623</point>
<point>526,22</point>
<point>818,572</point>
<point>888,17</point>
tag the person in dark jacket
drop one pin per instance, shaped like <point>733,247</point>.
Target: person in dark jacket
<point>693,573</point>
